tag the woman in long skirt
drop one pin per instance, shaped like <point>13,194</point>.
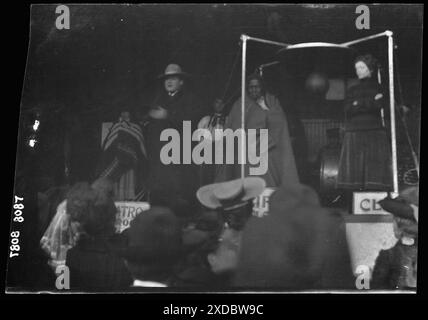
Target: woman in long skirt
<point>365,160</point>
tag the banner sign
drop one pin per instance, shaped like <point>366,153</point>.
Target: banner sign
<point>127,211</point>
<point>368,202</point>
<point>261,203</point>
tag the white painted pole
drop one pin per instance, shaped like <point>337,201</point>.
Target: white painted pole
<point>392,111</point>
<point>244,39</point>
<point>382,112</point>
<point>263,66</point>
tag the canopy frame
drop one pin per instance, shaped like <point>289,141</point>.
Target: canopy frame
<point>389,34</point>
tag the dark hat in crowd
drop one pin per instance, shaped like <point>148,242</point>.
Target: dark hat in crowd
<point>154,238</point>
<point>173,70</point>
<point>230,193</point>
<point>405,209</point>
<point>397,207</point>
<point>404,205</point>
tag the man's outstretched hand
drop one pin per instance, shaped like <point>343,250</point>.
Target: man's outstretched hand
<point>158,113</point>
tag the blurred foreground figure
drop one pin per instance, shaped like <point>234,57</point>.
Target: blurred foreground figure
<point>298,246</point>
<point>94,262</point>
<point>81,236</point>
<point>154,247</point>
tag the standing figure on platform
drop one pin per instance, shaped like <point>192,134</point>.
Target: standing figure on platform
<point>214,121</point>
<point>263,111</point>
<point>365,160</point>
<point>172,185</point>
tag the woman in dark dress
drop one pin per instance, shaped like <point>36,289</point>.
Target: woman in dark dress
<point>365,160</point>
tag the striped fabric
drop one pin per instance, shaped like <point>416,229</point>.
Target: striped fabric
<point>122,161</point>
<point>128,127</point>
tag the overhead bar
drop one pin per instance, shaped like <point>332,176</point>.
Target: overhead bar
<point>275,43</point>
<point>383,34</point>
<point>315,45</point>
<point>268,64</point>
<point>263,66</point>
<point>244,39</point>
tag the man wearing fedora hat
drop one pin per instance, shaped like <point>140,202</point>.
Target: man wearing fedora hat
<point>172,185</point>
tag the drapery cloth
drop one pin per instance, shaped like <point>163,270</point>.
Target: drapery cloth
<point>123,159</point>
<point>281,162</point>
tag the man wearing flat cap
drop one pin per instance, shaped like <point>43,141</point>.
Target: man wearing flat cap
<point>172,185</point>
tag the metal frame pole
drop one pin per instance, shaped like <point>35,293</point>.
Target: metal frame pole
<point>244,39</point>
<point>382,111</point>
<point>263,66</point>
<point>388,34</point>
<point>392,111</point>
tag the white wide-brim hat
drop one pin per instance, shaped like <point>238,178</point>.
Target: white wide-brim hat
<point>215,195</point>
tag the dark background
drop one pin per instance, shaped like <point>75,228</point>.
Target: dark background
<point>109,60</point>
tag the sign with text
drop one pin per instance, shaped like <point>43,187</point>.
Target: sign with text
<point>261,203</point>
<point>368,203</point>
<point>127,211</point>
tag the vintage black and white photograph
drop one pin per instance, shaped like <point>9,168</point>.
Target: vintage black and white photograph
<point>199,148</point>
